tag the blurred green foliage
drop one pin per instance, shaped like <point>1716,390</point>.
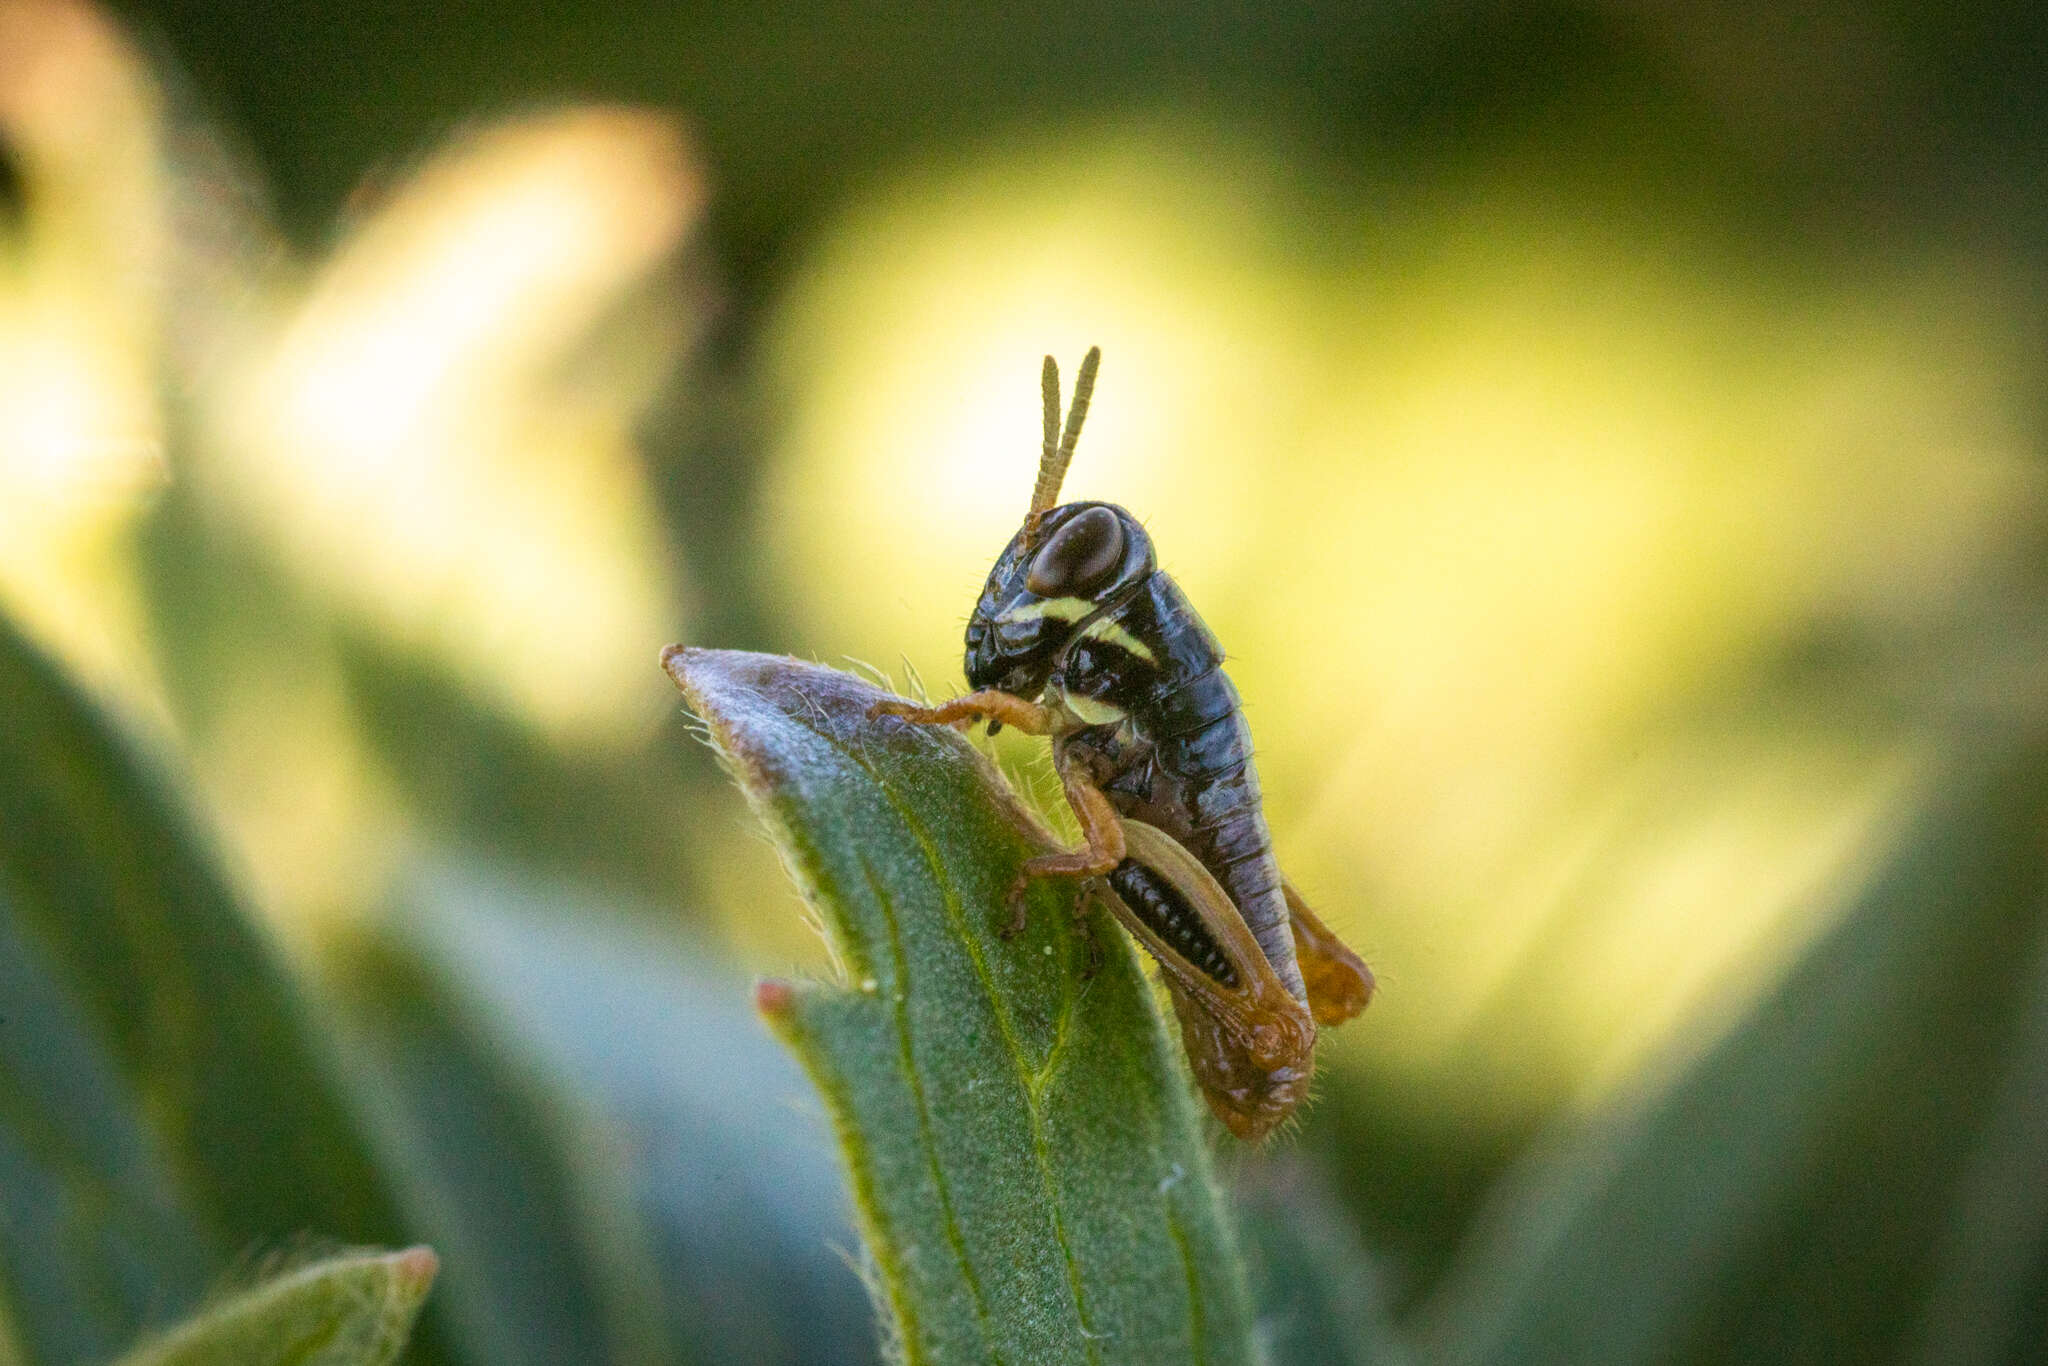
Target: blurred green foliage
<point>1847,1176</point>
<point>598,1137</point>
<point>171,1103</point>
<point>591,1130</point>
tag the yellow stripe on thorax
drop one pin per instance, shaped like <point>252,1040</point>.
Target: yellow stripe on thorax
<point>1114,633</point>
<point>1059,609</point>
<point>1074,609</point>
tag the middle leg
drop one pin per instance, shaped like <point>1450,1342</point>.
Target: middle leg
<point>1101,828</point>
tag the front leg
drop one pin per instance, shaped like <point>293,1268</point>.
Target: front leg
<point>1101,827</point>
<point>998,708</point>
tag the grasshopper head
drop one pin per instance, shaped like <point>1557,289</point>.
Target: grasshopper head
<point>1084,556</point>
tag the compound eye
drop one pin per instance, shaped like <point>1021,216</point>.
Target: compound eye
<point>1079,556</point>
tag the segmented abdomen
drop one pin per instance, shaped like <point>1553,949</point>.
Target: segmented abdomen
<point>1190,712</point>
<point>1225,817</point>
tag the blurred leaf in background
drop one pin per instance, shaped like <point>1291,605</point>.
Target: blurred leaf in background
<point>614,1159</point>
<point>82,260</point>
<point>431,436</point>
<point>170,1099</point>
<point>1321,1293</point>
<point>352,1309</point>
<point>605,1146</point>
<point>1851,1174</point>
<point>416,446</point>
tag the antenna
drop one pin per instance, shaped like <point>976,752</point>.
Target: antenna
<point>1049,385</point>
<point>1053,461</point>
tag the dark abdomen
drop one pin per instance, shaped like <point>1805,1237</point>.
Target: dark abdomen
<point>1205,791</point>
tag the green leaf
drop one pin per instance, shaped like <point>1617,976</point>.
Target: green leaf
<point>1023,1146</point>
<point>165,1102</point>
<point>1853,1169</point>
<point>1321,1299</point>
<point>598,1129</point>
<point>495,1169</point>
<point>356,1309</point>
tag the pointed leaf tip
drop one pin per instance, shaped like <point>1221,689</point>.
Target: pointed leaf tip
<point>774,998</point>
<point>350,1309</point>
<point>1022,1145</point>
<point>416,1268</point>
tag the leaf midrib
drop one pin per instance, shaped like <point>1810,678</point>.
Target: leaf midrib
<point>956,916</point>
<point>900,1018</point>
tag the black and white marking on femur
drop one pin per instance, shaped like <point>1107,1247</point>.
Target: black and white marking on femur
<point>1167,914</point>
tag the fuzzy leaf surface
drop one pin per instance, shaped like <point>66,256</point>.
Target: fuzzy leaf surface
<point>355,1309</point>
<point>1023,1148</point>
